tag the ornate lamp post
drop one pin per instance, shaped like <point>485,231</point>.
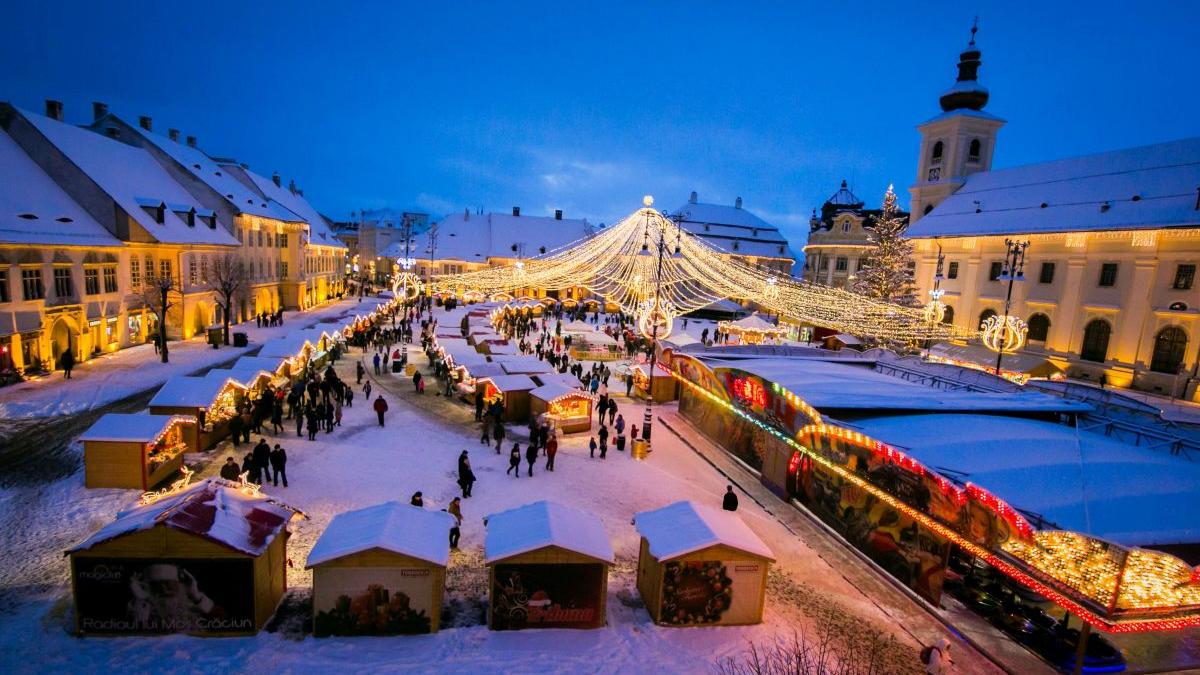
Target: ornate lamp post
<point>935,311</point>
<point>655,310</point>
<point>1010,331</point>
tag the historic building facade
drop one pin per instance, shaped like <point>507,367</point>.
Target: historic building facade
<point>1109,281</point>
<point>739,233</point>
<point>839,239</point>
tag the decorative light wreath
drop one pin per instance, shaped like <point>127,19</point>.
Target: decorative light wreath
<point>651,312</point>
<point>1004,334</point>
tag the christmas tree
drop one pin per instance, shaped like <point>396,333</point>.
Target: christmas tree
<point>885,273</point>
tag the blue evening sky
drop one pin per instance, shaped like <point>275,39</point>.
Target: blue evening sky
<point>586,106</point>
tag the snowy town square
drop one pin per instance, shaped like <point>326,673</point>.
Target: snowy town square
<point>701,338</point>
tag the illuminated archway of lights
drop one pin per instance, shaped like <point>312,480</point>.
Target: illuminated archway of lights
<point>619,264</point>
<point>1005,334</point>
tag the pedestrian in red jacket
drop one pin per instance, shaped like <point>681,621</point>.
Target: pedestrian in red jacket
<point>381,407</point>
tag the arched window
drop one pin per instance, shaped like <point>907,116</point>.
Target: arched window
<point>845,226</point>
<point>973,150</point>
<point>1095,341</point>
<point>985,315</point>
<point>1169,347</point>
<point>936,155</point>
<point>948,317</point>
<point>1039,327</point>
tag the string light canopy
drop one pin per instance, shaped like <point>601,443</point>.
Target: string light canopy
<point>620,265</point>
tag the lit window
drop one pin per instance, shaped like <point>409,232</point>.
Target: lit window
<point>110,279</point>
<point>91,281</point>
<point>63,288</point>
<point>31,284</point>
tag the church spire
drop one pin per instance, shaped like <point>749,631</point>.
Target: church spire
<point>967,92</point>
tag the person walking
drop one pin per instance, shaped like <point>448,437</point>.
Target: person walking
<point>381,407</point>
<point>531,454</point>
<point>478,403</point>
<point>330,415</point>
<point>455,509</point>
<point>466,477</point>
<point>235,430</point>
<point>612,411</point>
<point>230,470</point>
<point>619,425</point>
<point>601,408</point>
<point>311,422</point>
<point>629,384</point>
<point>298,409</point>
<point>68,362</point>
<point>279,465</point>
<point>337,413</point>
<point>416,379</point>
<point>603,443</point>
<point>514,461</point>
<point>359,371</point>
<point>486,437</point>
<point>277,417</point>
<point>592,447</point>
<point>262,461</point>
<point>730,501</point>
<point>551,451</point>
<point>498,434</point>
<point>376,362</point>
<point>417,499</point>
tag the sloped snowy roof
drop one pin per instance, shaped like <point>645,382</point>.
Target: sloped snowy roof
<point>565,379</point>
<point>245,374</point>
<point>552,390</point>
<point>1078,480</point>
<point>1152,186</point>
<point>686,527</point>
<point>132,427</point>
<point>540,524</point>
<point>729,224</point>
<point>392,526</point>
<point>132,178</point>
<point>189,391</point>
<point>321,234</point>
<point>477,237</point>
<point>525,365</point>
<point>28,191</point>
<point>267,363</point>
<point>506,348</point>
<point>754,322</point>
<point>211,509</point>
<point>512,382</point>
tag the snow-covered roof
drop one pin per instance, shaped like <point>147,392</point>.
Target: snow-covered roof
<point>289,345</point>
<point>1078,480</point>
<point>244,373</point>
<point>754,322</point>
<point>399,528</point>
<point>486,370</point>
<point>554,389</point>
<point>565,379</point>
<point>722,226</point>
<point>28,191</point>
<point>512,382</point>
<point>267,363</point>
<point>211,509</point>
<point>217,177</point>
<point>131,427</point>
<point>540,524</point>
<point>687,527</point>
<point>319,230</point>
<point>132,178</point>
<point>1152,186</point>
<point>186,391</point>
<point>525,365</point>
<point>478,237</point>
<point>578,326</point>
<point>832,385</point>
<point>506,348</point>
<point>847,339</point>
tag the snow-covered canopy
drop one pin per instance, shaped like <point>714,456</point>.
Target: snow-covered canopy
<point>541,524</point>
<point>392,526</point>
<point>506,383</point>
<point>185,391</point>
<point>268,363</point>
<point>526,365</point>
<point>686,527</point>
<point>212,509</point>
<point>565,379</point>
<point>139,427</point>
<point>553,390</point>
<point>752,323</point>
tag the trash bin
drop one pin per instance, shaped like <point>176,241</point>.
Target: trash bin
<point>397,366</point>
<point>240,340</point>
<point>215,335</point>
<point>641,448</point>
<point>409,369</point>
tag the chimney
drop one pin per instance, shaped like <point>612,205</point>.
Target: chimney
<point>145,123</point>
<point>99,110</point>
<point>292,186</point>
<point>173,134</point>
<point>54,109</point>
<point>558,214</point>
<point>113,132</point>
<point>737,203</point>
<point>466,214</point>
<point>275,179</point>
<point>693,198</point>
<point>191,141</point>
<point>516,210</point>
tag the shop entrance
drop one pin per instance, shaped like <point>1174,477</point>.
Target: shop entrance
<point>61,340</point>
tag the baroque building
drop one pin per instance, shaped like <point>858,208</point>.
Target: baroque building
<point>839,239</point>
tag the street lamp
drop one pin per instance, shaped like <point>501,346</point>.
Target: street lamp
<point>1012,272</point>
<point>935,311</point>
<point>657,306</point>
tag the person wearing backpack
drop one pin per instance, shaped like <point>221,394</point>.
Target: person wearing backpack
<point>937,658</point>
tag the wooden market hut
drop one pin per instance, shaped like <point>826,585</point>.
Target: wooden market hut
<point>547,568</point>
<point>662,386</point>
<point>212,399</point>
<point>842,341</point>
<point>380,571</point>
<point>210,559</point>
<point>137,450</point>
<point>565,407</point>
<point>700,566</point>
<point>513,391</point>
<point>752,330</point>
<point>280,368</point>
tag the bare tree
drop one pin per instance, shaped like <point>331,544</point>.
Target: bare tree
<point>159,292</point>
<point>229,277</point>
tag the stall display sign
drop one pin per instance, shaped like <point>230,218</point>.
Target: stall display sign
<point>748,391</point>
<point>129,596</point>
<point>711,592</point>
<point>547,596</point>
<point>372,601</point>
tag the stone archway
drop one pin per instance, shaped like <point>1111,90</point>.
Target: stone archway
<point>64,335</point>
<point>201,316</point>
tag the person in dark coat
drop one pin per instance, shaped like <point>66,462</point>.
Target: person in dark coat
<point>478,404</point>
<point>514,461</point>
<point>277,417</point>
<point>592,447</point>
<point>279,465</point>
<point>235,429</point>
<point>249,467</point>
<point>359,371</point>
<point>417,381</point>
<point>730,502</point>
<point>602,408</point>
<point>531,454</point>
<point>262,461</point>
<point>298,409</point>
<point>68,363</point>
<point>466,477</point>
<point>417,499</point>
<point>381,407</point>
<point>551,451</point>
<point>376,362</point>
<point>230,470</point>
<point>612,411</point>
<point>311,422</point>
<point>498,434</point>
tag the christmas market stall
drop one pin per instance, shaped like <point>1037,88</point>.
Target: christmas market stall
<point>562,407</point>
<point>547,568</point>
<point>136,450</point>
<point>662,386</point>
<point>380,571</point>
<point>296,348</point>
<point>700,566</point>
<point>279,368</point>
<point>513,392</point>
<point>213,399</point>
<point>522,364</point>
<point>206,559</point>
<point>837,343</point>
<point>752,330</point>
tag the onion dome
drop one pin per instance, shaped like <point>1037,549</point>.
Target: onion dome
<point>966,92</point>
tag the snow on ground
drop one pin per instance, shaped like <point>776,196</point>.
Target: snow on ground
<point>108,378</point>
<point>360,465</point>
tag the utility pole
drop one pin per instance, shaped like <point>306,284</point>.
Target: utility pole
<point>433,233</point>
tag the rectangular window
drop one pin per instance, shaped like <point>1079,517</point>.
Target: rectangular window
<point>204,270</point>
<point>1185,276</point>
<point>269,240</point>
<point>283,269</point>
<point>135,273</point>
<point>63,288</point>
<point>164,269</point>
<point>995,270</point>
<point>282,239</point>
<point>952,272</point>
<point>260,238</point>
<point>1108,274</point>
<point>1046,276</point>
<point>31,283</point>
<point>841,264</point>
<point>193,271</point>
<point>858,265</point>
<point>911,266</point>
<point>110,279</point>
<point>4,297</point>
<point>239,232</point>
<point>91,281</point>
